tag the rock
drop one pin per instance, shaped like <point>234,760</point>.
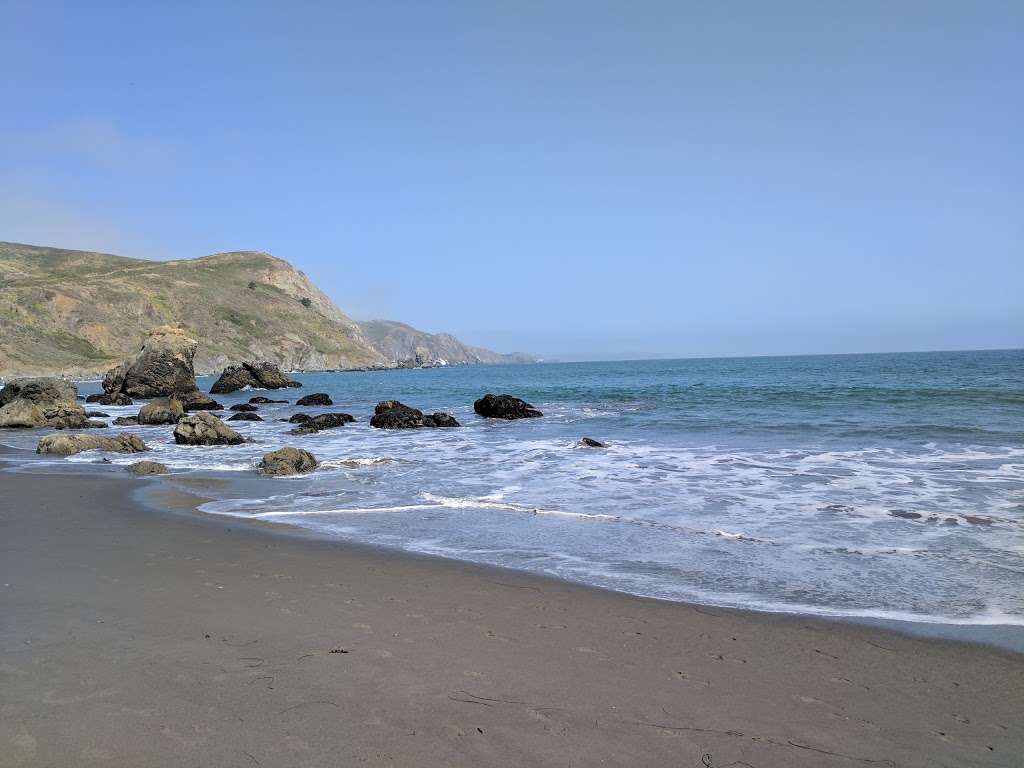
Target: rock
<point>161,411</point>
<point>198,401</point>
<point>261,400</point>
<point>126,421</point>
<point>317,398</point>
<point>97,415</point>
<point>905,515</point>
<point>391,414</point>
<point>256,374</point>
<point>308,424</point>
<point>505,407</point>
<point>41,390</point>
<point>42,402</point>
<point>203,428</point>
<point>244,407</point>
<point>162,368</point>
<point>66,445</point>
<point>147,468</point>
<point>288,461</point>
<point>117,398</point>
<point>589,442</point>
<point>245,416</point>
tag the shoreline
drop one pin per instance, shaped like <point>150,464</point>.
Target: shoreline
<point>146,634</point>
<point>1004,636</point>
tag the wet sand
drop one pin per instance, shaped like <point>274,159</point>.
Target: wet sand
<point>131,636</point>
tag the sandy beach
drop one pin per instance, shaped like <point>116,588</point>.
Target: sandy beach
<point>134,636</point>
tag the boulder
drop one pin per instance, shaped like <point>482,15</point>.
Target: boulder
<point>162,368</point>
<point>198,401</point>
<point>245,416</point>
<point>308,424</point>
<point>97,415</point>
<point>589,442</point>
<point>391,414</point>
<point>147,468</point>
<point>288,461</point>
<point>244,407</point>
<point>115,398</point>
<point>317,398</point>
<point>256,375</point>
<point>42,402</point>
<point>126,421</point>
<point>505,407</point>
<point>66,445</point>
<point>261,400</point>
<point>203,428</point>
<point>161,411</point>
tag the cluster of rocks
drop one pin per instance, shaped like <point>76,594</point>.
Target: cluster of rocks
<point>505,407</point>
<point>43,402</point>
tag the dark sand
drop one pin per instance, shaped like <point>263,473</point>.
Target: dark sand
<point>134,637</point>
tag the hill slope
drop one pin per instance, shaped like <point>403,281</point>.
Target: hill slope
<point>402,342</point>
<point>80,313</point>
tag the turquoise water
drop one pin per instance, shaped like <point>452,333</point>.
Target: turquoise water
<point>759,482</point>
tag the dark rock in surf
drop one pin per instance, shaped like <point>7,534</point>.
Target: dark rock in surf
<point>505,407</point>
<point>198,401</point>
<point>110,398</point>
<point>258,374</point>
<point>245,416</point>
<point>309,424</point>
<point>261,400</point>
<point>903,515</point>
<point>391,414</point>
<point>317,398</point>
<point>244,407</point>
<point>97,415</point>
<point>125,421</point>
<point>162,368</point>
<point>589,442</point>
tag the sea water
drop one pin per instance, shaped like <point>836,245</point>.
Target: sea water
<point>887,486</point>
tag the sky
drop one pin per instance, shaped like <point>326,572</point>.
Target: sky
<point>580,180</point>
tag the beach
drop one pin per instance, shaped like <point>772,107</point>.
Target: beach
<point>147,634</point>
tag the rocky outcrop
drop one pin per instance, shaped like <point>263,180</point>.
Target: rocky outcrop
<point>161,411</point>
<point>505,407</point>
<point>147,468</point>
<point>255,375</point>
<point>244,407</point>
<point>245,416</point>
<point>125,421</point>
<point>287,461</point>
<point>66,445</point>
<point>261,400</point>
<point>589,442</point>
<point>308,424</point>
<point>163,367</point>
<point>204,428</point>
<point>391,414</point>
<point>42,402</point>
<point>317,398</point>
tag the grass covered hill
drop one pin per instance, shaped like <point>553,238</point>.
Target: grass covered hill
<point>79,313</point>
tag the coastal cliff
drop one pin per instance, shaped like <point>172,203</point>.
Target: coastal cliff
<point>80,313</point>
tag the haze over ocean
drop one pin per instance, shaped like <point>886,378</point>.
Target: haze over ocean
<point>578,180</point>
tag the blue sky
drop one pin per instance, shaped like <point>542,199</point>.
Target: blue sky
<point>577,179</point>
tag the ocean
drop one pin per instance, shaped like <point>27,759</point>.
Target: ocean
<point>888,486</point>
